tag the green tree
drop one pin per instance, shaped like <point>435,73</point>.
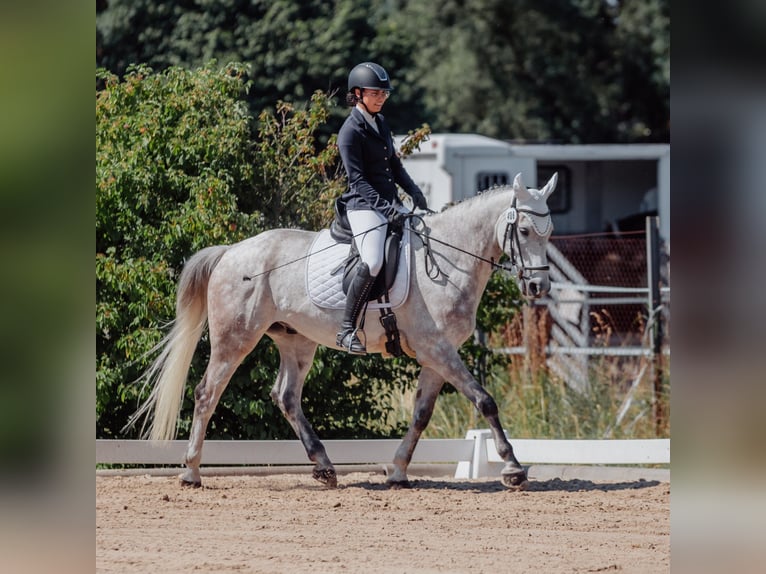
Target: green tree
<point>643,38</point>
<point>297,179</point>
<point>173,154</point>
<point>561,70</point>
<point>566,70</point>
<point>293,47</point>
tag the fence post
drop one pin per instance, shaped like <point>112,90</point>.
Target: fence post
<point>535,335</point>
<point>655,316</point>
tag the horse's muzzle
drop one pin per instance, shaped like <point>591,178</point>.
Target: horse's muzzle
<point>536,287</point>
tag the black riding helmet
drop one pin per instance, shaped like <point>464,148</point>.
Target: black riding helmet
<point>369,75</point>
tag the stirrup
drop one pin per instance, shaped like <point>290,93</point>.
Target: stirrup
<point>349,341</point>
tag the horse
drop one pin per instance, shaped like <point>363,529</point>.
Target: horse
<point>465,241</point>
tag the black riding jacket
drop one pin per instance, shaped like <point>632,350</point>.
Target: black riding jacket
<point>372,166</point>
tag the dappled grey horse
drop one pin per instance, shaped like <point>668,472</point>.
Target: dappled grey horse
<point>255,288</point>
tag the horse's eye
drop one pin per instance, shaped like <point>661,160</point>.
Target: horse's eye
<point>524,231</point>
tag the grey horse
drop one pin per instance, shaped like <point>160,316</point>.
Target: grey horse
<point>465,241</point>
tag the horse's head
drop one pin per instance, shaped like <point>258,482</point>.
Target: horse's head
<point>523,234</point>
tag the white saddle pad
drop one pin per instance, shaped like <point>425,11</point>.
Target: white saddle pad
<point>324,273</point>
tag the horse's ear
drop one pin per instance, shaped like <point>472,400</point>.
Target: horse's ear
<point>550,186</point>
<point>518,186</point>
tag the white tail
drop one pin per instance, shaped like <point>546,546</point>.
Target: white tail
<point>167,374</point>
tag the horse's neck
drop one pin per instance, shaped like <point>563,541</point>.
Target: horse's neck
<point>471,226</point>
<point>470,230</point>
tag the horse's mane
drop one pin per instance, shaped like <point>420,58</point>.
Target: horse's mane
<point>475,200</point>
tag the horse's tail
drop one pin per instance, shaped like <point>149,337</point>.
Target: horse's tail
<point>168,372</point>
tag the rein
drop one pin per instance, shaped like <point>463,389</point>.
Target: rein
<point>296,260</point>
<point>431,260</point>
<point>432,267</point>
<point>511,234</point>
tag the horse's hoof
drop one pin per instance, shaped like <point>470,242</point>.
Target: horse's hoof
<point>398,484</point>
<point>515,481</point>
<point>190,483</point>
<point>326,476</point>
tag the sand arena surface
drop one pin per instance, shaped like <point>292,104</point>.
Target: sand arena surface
<point>290,523</point>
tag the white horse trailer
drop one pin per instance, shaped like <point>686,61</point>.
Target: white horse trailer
<point>601,187</point>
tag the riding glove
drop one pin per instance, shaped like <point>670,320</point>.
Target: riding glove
<point>420,201</point>
<point>395,218</point>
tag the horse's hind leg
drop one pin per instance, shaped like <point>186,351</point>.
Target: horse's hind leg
<point>429,385</point>
<point>296,354</point>
<point>206,396</point>
<point>447,362</point>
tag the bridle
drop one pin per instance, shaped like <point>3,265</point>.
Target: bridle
<point>511,235</point>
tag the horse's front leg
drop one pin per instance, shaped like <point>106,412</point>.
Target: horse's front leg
<point>296,356</point>
<point>429,385</point>
<point>513,475</point>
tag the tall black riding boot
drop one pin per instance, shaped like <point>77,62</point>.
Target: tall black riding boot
<point>356,298</point>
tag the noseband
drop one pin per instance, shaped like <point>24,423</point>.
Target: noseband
<point>512,235</point>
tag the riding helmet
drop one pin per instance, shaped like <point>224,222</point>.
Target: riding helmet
<point>369,75</point>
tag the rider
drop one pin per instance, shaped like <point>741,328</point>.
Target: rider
<point>372,201</point>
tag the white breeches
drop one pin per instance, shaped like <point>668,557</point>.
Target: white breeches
<point>369,228</point>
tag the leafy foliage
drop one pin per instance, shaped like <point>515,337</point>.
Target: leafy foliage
<point>173,154</point>
<point>559,70</point>
<point>297,179</point>
<point>572,71</point>
<point>293,47</point>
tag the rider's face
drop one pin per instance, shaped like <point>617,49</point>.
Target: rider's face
<point>374,99</point>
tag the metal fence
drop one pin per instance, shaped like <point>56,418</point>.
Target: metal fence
<point>610,296</point>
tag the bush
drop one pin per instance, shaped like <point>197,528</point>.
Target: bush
<point>173,155</point>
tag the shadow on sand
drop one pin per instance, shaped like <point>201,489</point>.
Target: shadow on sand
<point>552,485</point>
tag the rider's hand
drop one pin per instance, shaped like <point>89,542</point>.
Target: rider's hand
<point>396,218</point>
<point>419,200</point>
